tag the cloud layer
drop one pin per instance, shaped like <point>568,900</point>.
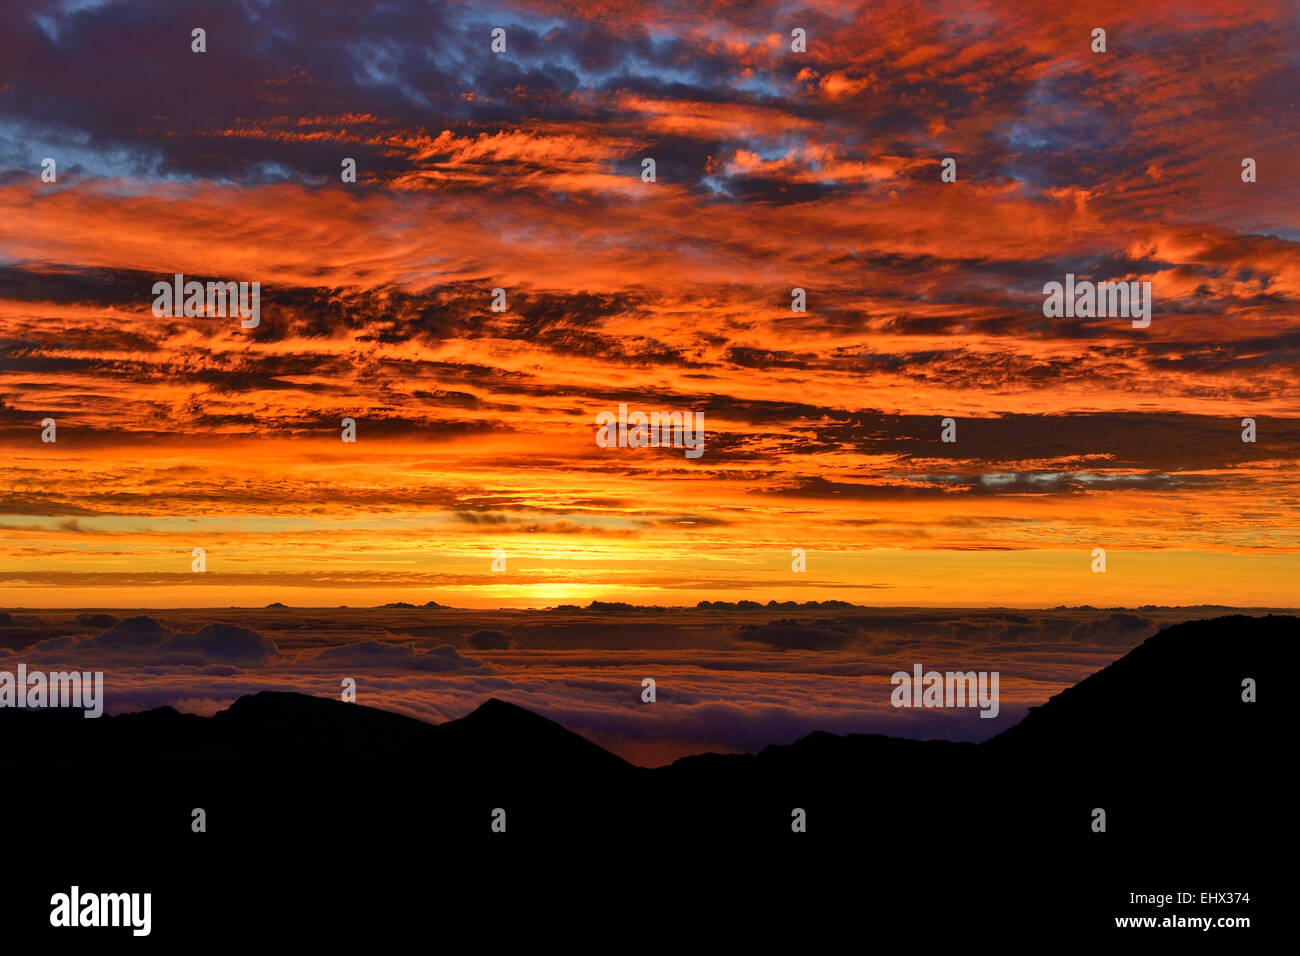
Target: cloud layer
<point>726,679</point>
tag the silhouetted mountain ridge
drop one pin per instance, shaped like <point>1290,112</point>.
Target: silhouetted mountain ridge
<point>298,791</point>
<point>1143,693</point>
<point>1151,716</point>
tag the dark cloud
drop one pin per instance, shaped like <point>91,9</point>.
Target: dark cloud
<point>1121,629</point>
<point>490,640</point>
<point>369,654</point>
<point>225,643</point>
<point>790,633</point>
<point>97,620</point>
<point>141,631</point>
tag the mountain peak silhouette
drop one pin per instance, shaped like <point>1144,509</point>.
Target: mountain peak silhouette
<point>503,731</point>
<point>1180,688</point>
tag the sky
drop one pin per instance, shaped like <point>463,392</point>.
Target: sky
<point>476,479</point>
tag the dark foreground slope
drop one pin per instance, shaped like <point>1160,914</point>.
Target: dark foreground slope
<point>325,817</point>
